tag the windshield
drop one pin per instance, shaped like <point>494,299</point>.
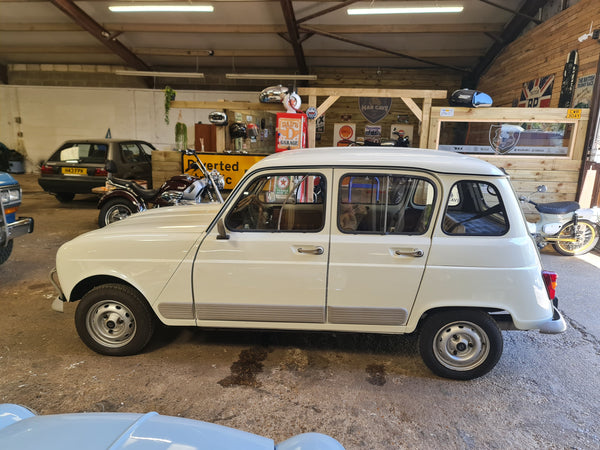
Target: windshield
<point>81,153</point>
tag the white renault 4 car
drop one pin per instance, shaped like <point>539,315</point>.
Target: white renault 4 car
<point>356,240</point>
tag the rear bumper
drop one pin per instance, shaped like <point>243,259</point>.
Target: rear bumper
<point>23,225</point>
<point>555,325</point>
<point>72,184</point>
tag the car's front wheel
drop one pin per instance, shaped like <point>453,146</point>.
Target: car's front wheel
<point>115,210</point>
<point>460,344</point>
<point>115,320</point>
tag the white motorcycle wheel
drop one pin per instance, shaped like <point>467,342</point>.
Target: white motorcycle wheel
<point>585,234</point>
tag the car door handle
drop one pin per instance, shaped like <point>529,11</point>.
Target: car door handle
<point>416,252</point>
<point>311,251</point>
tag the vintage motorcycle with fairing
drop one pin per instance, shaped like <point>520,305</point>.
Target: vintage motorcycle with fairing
<point>126,197</point>
<point>570,229</point>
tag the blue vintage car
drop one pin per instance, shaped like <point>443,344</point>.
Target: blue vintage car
<point>11,226</point>
<point>22,429</point>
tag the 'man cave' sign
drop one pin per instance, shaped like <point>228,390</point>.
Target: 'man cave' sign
<point>374,108</point>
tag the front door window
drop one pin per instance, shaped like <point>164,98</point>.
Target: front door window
<point>282,202</point>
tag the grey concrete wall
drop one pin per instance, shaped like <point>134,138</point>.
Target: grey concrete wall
<point>37,119</point>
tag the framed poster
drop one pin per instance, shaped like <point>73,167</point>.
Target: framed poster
<point>372,135</point>
<point>583,92</point>
<point>404,129</point>
<point>344,134</point>
<point>537,93</point>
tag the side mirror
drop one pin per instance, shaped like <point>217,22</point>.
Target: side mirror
<point>221,230</point>
<point>470,98</point>
<point>111,166</point>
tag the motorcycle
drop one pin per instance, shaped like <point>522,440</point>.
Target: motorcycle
<point>125,197</point>
<point>570,229</point>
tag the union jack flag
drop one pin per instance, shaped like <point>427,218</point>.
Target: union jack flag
<point>537,93</point>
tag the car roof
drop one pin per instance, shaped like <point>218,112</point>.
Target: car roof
<point>99,141</point>
<point>441,161</point>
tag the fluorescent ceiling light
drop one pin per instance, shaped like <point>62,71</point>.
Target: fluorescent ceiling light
<point>268,76</point>
<point>405,10</point>
<point>161,8</point>
<point>140,73</point>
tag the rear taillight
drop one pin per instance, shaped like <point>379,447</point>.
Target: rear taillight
<point>47,169</point>
<point>550,282</point>
<point>100,173</point>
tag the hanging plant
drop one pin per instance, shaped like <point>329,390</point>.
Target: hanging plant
<point>181,135</point>
<point>169,97</point>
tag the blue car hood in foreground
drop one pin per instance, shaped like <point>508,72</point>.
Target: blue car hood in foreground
<point>6,179</point>
<point>21,429</point>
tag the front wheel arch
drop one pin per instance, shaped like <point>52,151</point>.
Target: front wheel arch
<point>87,284</point>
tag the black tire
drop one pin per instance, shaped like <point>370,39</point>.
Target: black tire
<point>5,252</point>
<point>586,235</point>
<point>64,197</point>
<point>114,320</point>
<point>460,344</point>
<point>115,210</point>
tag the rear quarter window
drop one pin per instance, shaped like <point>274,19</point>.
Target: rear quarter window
<point>475,208</point>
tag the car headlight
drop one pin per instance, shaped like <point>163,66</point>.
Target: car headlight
<point>11,195</point>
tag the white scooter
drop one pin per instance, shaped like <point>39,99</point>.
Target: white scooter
<point>570,229</point>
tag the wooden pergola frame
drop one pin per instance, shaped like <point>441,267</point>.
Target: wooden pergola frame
<point>423,114</point>
<point>406,95</point>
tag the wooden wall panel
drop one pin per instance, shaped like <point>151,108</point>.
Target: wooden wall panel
<point>543,51</point>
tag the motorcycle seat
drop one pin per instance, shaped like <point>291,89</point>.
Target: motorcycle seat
<point>146,194</point>
<point>557,207</point>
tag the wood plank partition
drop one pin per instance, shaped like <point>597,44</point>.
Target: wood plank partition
<point>559,173</point>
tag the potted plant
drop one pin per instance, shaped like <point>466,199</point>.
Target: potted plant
<point>169,97</point>
<point>181,135</point>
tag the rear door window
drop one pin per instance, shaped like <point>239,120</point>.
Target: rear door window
<point>132,153</point>
<point>385,204</point>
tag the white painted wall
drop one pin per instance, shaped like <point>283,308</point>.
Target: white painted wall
<point>51,115</point>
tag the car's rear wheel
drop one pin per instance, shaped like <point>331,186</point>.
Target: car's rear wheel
<point>64,197</point>
<point>460,344</point>
<point>115,320</point>
<point>5,252</point>
<point>115,210</point>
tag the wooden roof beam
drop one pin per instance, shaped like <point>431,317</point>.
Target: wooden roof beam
<point>510,33</point>
<point>326,11</point>
<point>380,49</point>
<point>510,10</point>
<point>444,28</point>
<point>292,28</point>
<point>100,33</point>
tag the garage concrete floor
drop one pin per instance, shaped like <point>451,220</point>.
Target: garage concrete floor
<point>367,391</point>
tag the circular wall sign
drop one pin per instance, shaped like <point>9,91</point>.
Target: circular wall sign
<point>346,132</point>
<point>311,112</point>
